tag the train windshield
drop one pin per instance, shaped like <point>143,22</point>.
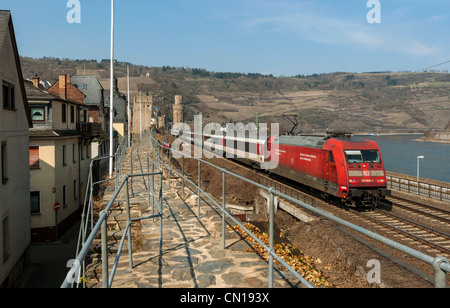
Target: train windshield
<point>362,156</point>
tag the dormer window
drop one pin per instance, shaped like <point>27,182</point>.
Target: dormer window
<point>38,114</point>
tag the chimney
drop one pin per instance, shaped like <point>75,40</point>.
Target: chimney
<point>62,86</point>
<point>36,81</point>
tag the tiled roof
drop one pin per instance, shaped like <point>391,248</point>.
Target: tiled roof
<point>34,92</point>
<point>4,21</point>
<point>120,105</point>
<point>6,25</point>
<point>91,87</point>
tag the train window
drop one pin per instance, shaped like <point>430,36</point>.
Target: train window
<point>361,156</point>
<point>371,156</point>
<point>354,156</point>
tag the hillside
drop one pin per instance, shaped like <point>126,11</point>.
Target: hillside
<point>369,102</point>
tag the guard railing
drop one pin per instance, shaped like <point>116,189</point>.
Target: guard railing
<point>87,214</point>
<point>86,239</point>
<point>441,265</point>
<point>420,188</point>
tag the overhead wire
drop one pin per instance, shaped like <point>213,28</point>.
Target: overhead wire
<point>427,68</point>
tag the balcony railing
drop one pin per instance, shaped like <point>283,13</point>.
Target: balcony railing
<point>89,128</point>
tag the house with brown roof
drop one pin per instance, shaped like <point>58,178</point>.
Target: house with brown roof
<point>15,120</point>
<point>66,90</point>
<point>59,157</point>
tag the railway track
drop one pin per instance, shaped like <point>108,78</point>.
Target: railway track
<point>412,233</point>
<point>408,231</point>
<point>435,242</point>
<point>429,211</point>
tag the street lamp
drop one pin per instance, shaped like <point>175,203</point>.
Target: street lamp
<point>418,169</point>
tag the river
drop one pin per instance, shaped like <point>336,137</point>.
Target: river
<point>400,155</point>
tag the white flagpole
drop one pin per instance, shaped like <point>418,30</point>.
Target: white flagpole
<point>111,95</point>
<point>129,111</point>
<point>145,113</point>
<point>140,112</point>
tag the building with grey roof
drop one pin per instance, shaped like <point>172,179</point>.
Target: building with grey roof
<point>15,120</point>
<point>98,113</point>
<point>120,107</point>
<point>91,87</point>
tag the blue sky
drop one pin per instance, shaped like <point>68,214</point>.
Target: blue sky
<point>280,37</point>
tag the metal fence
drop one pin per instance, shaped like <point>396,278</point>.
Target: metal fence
<point>441,265</point>
<point>87,235</point>
<point>158,150</point>
<point>107,278</point>
<point>420,188</point>
<point>87,214</point>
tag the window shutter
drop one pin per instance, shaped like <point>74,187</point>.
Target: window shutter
<point>34,157</point>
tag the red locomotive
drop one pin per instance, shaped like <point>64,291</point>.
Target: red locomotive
<point>340,165</point>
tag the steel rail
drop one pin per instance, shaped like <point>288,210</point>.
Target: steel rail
<point>440,264</point>
<point>406,233</point>
<point>421,212</point>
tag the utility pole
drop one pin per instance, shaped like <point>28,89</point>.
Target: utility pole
<point>140,113</point>
<point>129,110</point>
<point>111,95</point>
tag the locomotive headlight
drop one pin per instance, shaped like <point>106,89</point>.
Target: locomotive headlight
<point>381,180</point>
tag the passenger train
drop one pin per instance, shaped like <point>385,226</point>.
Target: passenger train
<point>339,165</point>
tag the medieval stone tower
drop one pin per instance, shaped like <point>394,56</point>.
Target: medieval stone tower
<point>178,110</point>
<point>142,113</point>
